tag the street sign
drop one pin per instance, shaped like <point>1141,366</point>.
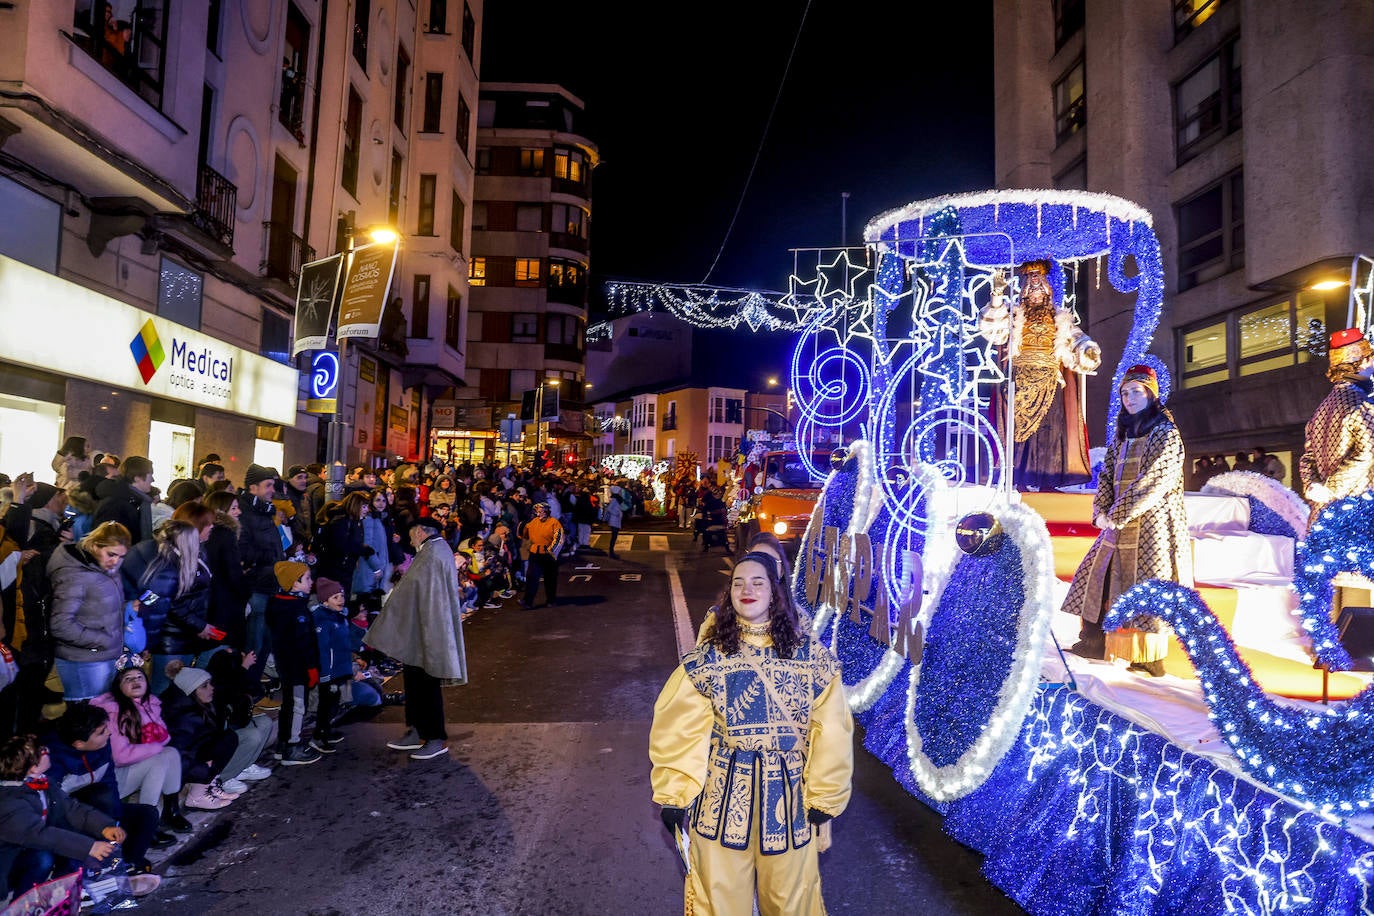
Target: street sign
<point>550,404</point>
<point>315,297</point>
<point>324,383</point>
<point>367,280</point>
<point>511,430</point>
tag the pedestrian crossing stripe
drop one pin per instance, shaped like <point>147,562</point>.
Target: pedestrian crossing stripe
<point>657,543</point>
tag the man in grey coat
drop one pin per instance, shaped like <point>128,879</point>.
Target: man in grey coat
<point>421,626</point>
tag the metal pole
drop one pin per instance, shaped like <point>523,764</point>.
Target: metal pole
<point>844,219</point>
<point>335,447</point>
<point>538,420</point>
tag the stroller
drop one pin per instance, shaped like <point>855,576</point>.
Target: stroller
<point>713,532</point>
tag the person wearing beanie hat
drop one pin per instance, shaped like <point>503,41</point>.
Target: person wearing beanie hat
<point>1143,527</point>
<point>1338,443</point>
<point>292,628</point>
<point>199,733</point>
<point>42,495</point>
<point>256,473</point>
<point>336,660</point>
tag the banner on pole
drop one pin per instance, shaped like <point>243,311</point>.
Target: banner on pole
<point>316,295</point>
<point>366,282</point>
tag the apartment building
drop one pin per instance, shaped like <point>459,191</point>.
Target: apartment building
<point>1239,125</point>
<point>168,168</point>
<point>531,231</point>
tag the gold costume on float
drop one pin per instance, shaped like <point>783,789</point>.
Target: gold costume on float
<point>749,770</point>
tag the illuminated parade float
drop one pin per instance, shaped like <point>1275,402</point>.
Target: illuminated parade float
<point>941,549</point>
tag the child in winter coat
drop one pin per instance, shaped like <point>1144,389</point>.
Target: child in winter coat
<point>298,658</point>
<point>40,828</point>
<point>336,660</point>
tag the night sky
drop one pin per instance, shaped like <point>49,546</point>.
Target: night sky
<point>891,102</point>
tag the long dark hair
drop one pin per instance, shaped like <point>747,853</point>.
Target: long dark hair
<point>130,718</point>
<point>783,624</point>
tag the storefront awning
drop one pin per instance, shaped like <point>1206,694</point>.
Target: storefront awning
<point>558,432</point>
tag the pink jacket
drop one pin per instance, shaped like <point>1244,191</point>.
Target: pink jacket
<point>125,752</point>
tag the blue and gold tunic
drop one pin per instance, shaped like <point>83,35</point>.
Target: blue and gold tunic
<point>721,745</point>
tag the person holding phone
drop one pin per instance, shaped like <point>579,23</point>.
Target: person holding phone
<point>173,593</point>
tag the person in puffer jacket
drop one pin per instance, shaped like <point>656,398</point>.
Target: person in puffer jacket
<point>88,610</point>
<point>173,592</point>
<point>145,762</point>
<point>336,659</point>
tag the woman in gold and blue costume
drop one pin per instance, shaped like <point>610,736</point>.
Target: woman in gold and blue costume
<point>753,743</point>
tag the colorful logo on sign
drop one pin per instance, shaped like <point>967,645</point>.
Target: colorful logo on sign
<point>147,350</point>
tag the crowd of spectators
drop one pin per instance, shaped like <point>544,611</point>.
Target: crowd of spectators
<point>162,654</point>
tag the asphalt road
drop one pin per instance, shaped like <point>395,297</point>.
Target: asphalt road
<point>544,804</point>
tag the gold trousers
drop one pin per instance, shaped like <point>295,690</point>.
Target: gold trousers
<point>722,881</point>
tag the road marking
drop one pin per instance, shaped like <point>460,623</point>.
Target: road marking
<point>682,624</point>
<point>658,542</point>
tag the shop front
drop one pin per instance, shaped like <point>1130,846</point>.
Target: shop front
<point>131,382</point>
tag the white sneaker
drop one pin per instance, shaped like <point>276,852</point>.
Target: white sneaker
<point>217,785</point>
<point>233,787</point>
<point>253,774</point>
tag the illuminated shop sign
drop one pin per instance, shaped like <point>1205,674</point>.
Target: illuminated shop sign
<point>84,334</point>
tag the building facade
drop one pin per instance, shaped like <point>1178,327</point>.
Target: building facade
<point>1238,124</point>
<point>531,232</point>
<point>168,169</point>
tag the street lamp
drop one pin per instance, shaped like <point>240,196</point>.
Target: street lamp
<point>336,444</point>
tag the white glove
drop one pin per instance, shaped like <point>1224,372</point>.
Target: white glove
<point>1103,522</point>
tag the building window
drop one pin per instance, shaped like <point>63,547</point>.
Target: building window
<point>570,219</point>
<point>1263,337</point>
<point>353,131</point>
<point>477,272</point>
<point>438,16</point>
<point>129,39</point>
<point>524,327</point>
<point>1211,232</point>
<point>531,161</point>
<point>180,292</point>
<point>434,102</point>
<point>529,217</point>
<point>455,224</point>
<point>1189,14</point>
<point>419,313</point>
<point>402,86</point>
<point>393,198</point>
<point>469,33</point>
<point>424,221</point>
<point>483,164</point>
<point>1068,20</point>
<point>291,101</point>
<point>1070,103</point>
<point>1207,102</point>
<point>561,329</point>
<point>569,164</point>
<point>479,215</point>
<point>274,341</point>
<point>362,22</point>
<point>464,131</point>
<point>453,320</point>
<point>564,274</point>
<point>526,271</point>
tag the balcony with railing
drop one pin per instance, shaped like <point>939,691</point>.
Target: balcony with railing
<point>216,197</point>
<point>568,186</point>
<point>669,421</point>
<point>283,253</point>
<point>568,293</point>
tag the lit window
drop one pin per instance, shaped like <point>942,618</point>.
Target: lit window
<point>1070,103</point>
<point>1204,356</point>
<point>527,272</point>
<point>477,272</point>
